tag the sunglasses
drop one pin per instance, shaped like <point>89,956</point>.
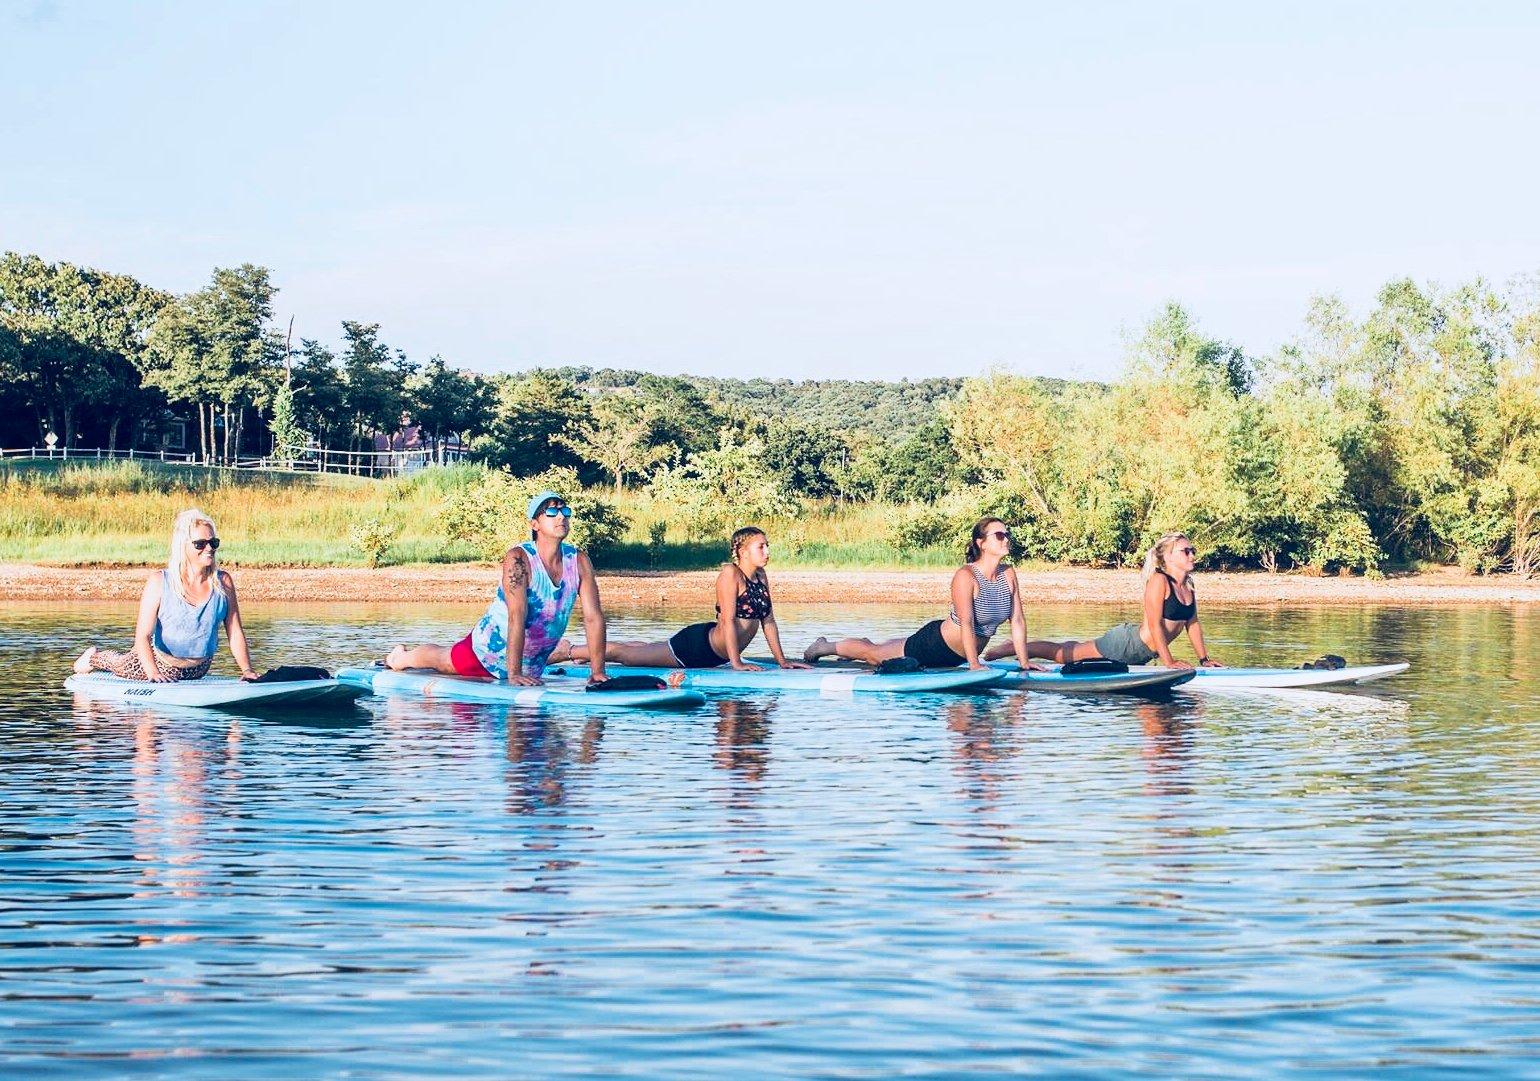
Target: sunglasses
<point>200,543</point>
<point>999,534</point>
<point>553,510</point>
<point>1188,551</point>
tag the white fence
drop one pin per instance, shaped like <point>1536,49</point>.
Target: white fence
<point>357,463</point>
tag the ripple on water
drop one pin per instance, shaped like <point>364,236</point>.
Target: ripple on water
<point>1256,883</point>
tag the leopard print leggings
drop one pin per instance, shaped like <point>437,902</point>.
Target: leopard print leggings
<point>128,666</point>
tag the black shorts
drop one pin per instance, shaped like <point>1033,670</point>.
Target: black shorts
<point>928,647</point>
<point>691,647</point>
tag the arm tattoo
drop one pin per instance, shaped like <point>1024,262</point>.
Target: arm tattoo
<point>516,568</point>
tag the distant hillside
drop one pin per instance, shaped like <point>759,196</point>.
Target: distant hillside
<point>893,409</point>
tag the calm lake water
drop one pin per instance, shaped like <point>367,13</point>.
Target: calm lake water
<point>1241,885</point>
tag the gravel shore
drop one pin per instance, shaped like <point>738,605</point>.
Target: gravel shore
<point>473,583</point>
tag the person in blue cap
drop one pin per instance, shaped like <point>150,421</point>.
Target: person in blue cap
<point>543,580</point>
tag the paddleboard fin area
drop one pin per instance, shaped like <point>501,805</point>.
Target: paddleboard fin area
<point>615,684</point>
<point>1092,666</point>
<point>291,673</point>
<point>1329,663</point>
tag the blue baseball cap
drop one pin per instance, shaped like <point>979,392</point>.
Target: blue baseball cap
<point>543,497</point>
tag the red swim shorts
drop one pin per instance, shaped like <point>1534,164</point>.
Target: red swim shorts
<point>463,657</point>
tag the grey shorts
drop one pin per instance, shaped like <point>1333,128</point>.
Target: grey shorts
<point>1122,643</point>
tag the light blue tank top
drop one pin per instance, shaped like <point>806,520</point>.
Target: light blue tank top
<point>549,607</point>
<point>187,630</point>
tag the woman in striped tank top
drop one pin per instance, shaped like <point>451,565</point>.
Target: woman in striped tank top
<point>983,588</point>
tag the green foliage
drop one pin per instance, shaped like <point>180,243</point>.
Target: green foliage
<point>373,383</point>
<point>621,439</point>
<point>925,466</point>
<point>491,513</point>
<point>928,529</point>
<point>213,349</point>
<point>1408,433</point>
<point>534,419</point>
<point>721,489</point>
<point>319,404</point>
<point>373,534</point>
<point>446,402</point>
<point>74,338</point>
<point>288,436</point>
<point>804,457</point>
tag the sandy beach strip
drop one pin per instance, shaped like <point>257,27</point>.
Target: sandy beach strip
<point>472,583</point>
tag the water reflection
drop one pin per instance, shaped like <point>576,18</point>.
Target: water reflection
<point>541,758</point>
<point>1170,735</point>
<point>985,732</point>
<point>743,741</point>
<point>1278,883</point>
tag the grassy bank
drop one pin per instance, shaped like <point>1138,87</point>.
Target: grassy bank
<point>120,512</point>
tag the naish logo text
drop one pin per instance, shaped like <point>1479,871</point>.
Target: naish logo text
<point>139,692</point>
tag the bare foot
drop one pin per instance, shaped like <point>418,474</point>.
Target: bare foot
<point>562,652</point>
<point>83,662</point>
<point>820,648</point>
<point>395,660</point>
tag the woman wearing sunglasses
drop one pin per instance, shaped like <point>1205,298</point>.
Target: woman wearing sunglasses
<point>180,613</point>
<point>983,587</point>
<point>1170,607</point>
<point>743,608</point>
<point>543,580</point>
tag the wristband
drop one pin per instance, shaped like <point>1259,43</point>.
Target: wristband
<point>1202,660</point>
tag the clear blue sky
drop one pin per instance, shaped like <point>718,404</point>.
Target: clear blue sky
<point>870,190</point>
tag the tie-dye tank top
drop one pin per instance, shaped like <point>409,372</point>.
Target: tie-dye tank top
<point>550,606</point>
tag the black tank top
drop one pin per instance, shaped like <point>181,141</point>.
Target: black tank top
<point>1173,609</point>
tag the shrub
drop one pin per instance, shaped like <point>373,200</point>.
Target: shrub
<point>926,529</point>
<point>373,534</point>
<point>490,513</point>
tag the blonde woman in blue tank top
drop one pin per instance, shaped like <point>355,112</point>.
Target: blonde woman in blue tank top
<point>985,597</point>
<point>543,579</point>
<point>180,614</point>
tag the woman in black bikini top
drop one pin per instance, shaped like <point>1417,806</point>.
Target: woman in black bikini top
<point>1172,607</point>
<point>754,601</point>
<point>743,590</point>
<point>1167,570</point>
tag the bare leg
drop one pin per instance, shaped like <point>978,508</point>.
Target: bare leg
<point>83,662</point>
<point>856,649</point>
<point>129,666</point>
<point>1063,652</point>
<point>422,656</point>
<point>634,654</point>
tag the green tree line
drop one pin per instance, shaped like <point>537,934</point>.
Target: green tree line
<point>1411,433</point>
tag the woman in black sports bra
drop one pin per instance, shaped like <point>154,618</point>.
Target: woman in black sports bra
<point>743,607</point>
<point>1170,607</point>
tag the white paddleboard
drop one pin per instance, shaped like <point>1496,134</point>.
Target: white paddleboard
<point>1213,679</point>
<point>212,692</point>
<point>561,691</point>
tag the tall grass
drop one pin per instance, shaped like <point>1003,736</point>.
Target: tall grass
<point>120,513</point>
